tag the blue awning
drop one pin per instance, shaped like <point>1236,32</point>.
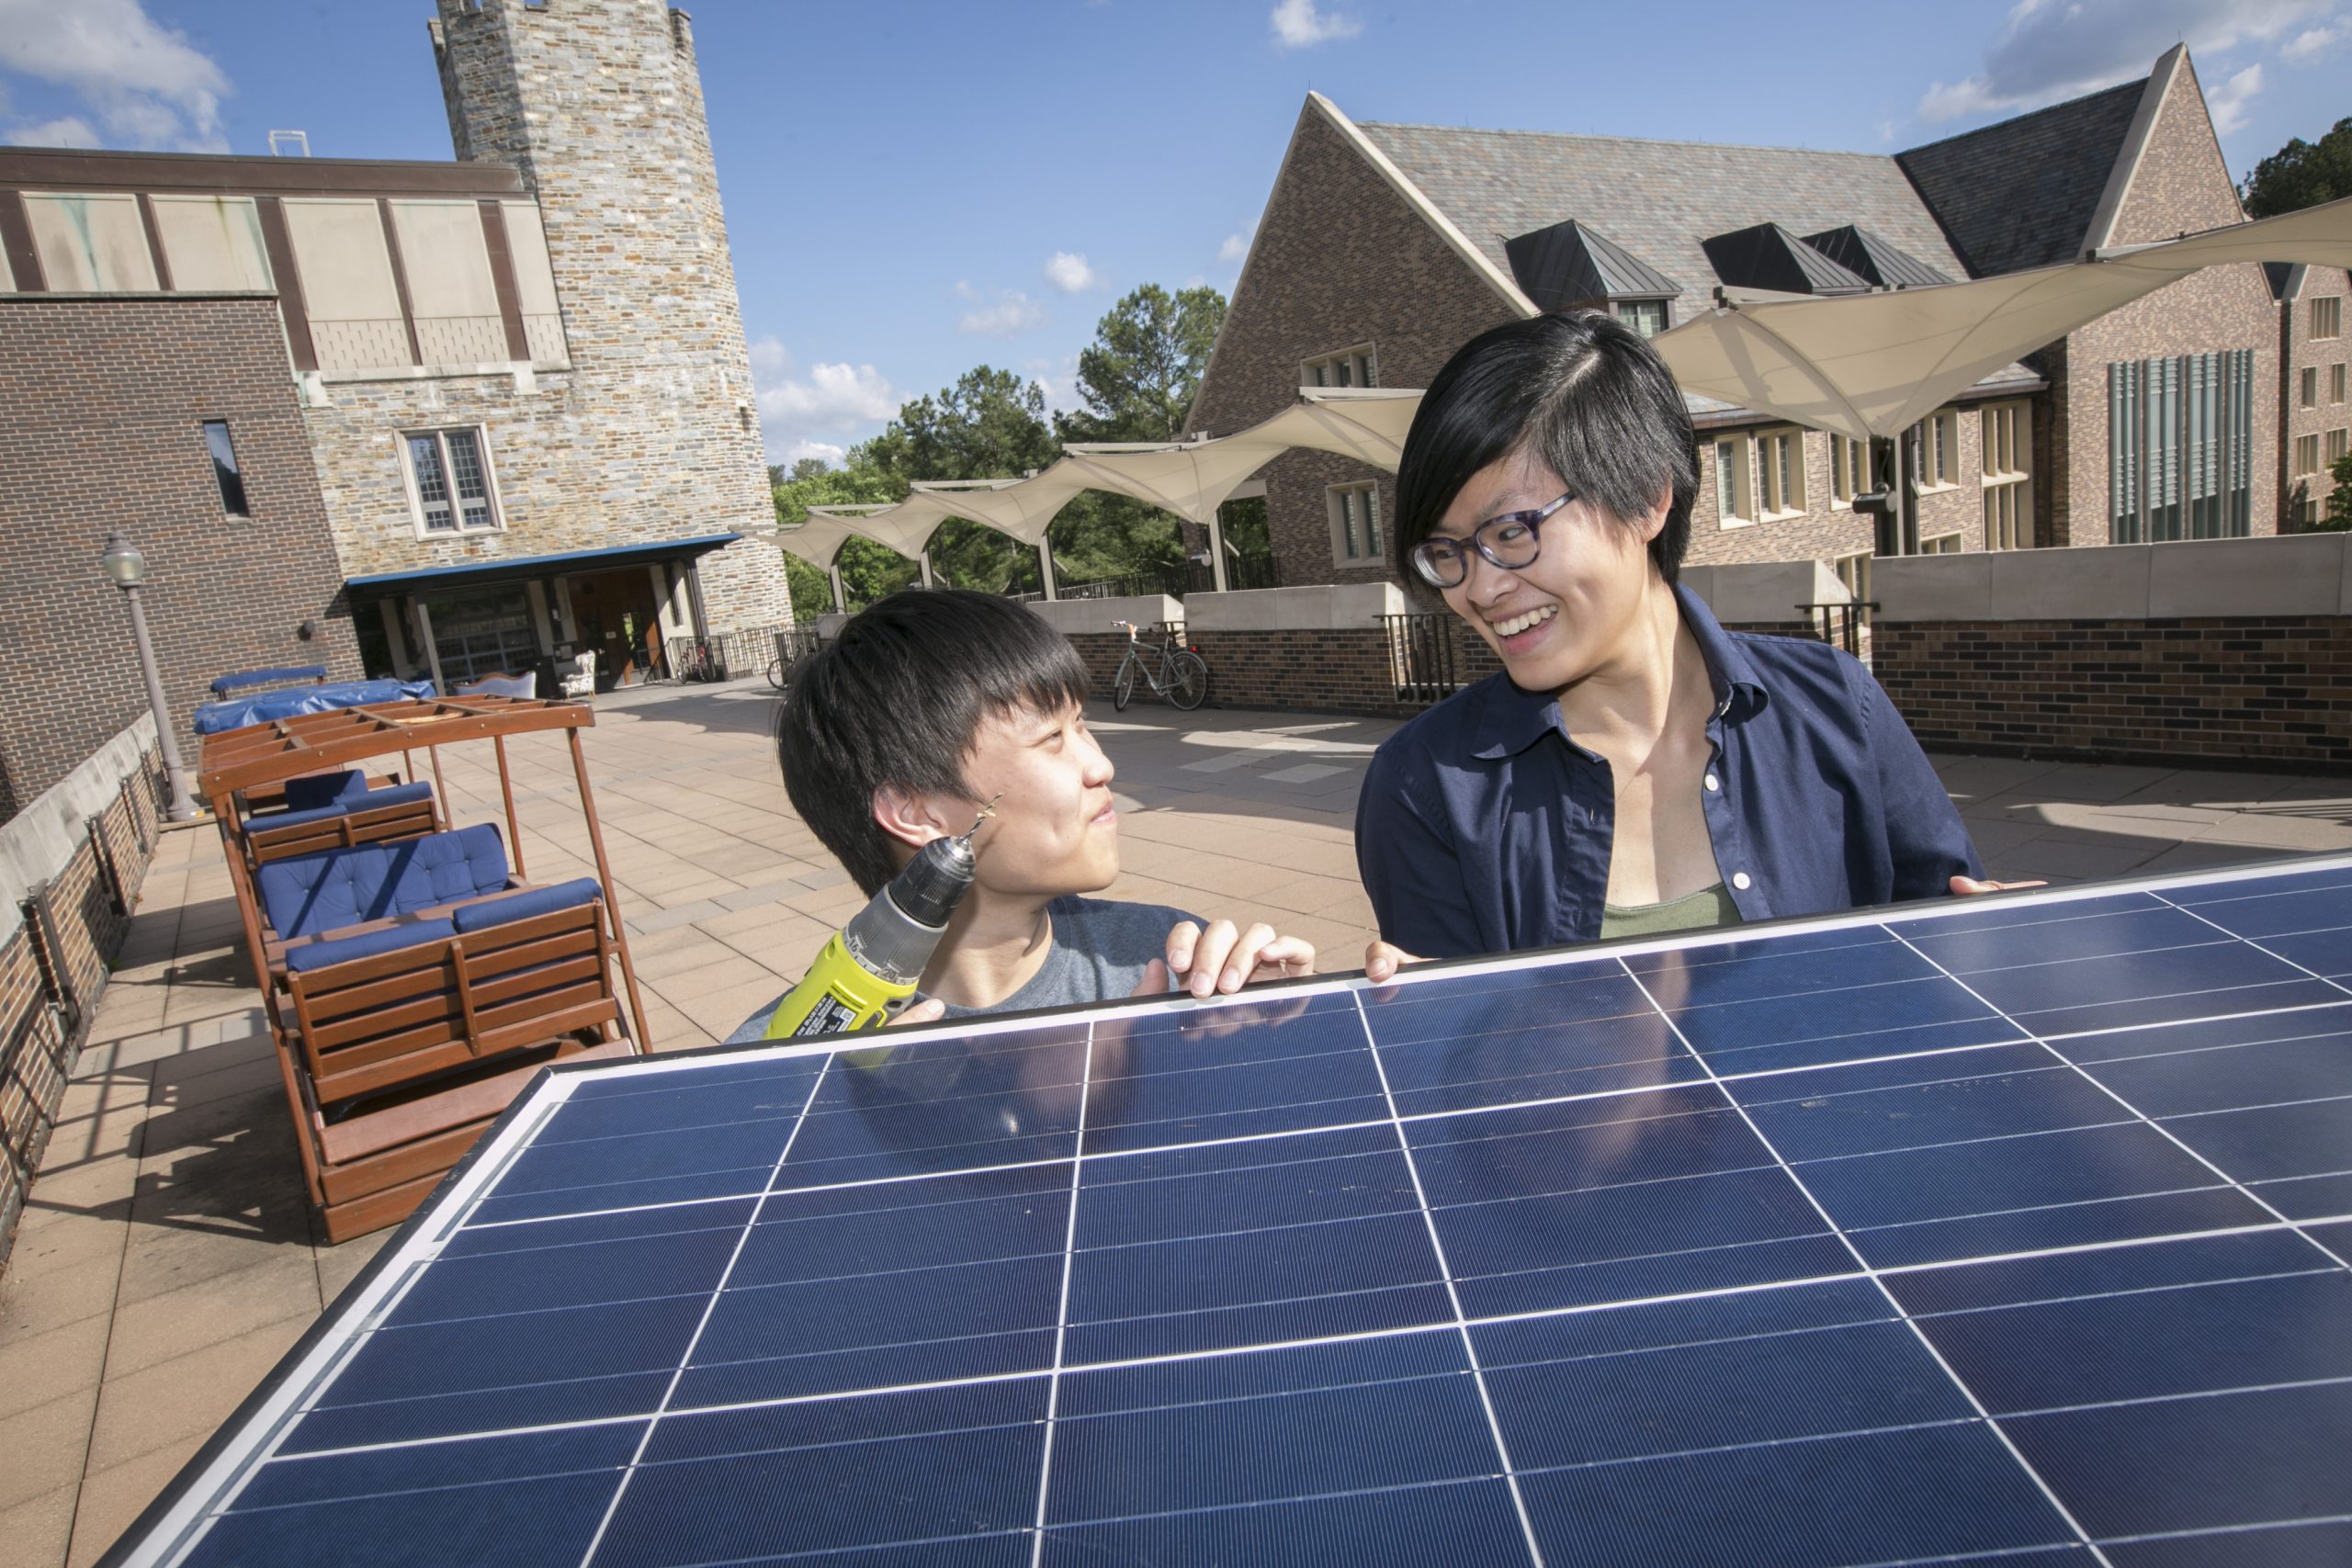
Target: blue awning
<point>561,562</point>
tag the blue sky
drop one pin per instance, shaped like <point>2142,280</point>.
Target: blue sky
<point>912,189</point>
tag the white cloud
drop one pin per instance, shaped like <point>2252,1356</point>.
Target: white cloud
<point>2308,46</point>
<point>833,397</point>
<point>964,290</point>
<point>1298,24</point>
<point>824,452</point>
<point>146,83</point>
<point>1014,313</point>
<point>2054,50</point>
<point>770,362</point>
<point>1237,246</point>
<point>1058,380</point>
<point>1068,272</point>
<point>2228,102</point>
<point>66,131</point>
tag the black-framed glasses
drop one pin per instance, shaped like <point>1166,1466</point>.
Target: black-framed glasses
<point>1511,541</point>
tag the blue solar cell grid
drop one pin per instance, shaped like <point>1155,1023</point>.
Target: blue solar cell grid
<point>2011,1232</point>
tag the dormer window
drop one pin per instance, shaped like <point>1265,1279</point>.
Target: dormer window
<point>1349,368</point>
<point>1647,317</point>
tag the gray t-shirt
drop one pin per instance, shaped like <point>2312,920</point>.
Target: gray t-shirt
<point>1101,948</point>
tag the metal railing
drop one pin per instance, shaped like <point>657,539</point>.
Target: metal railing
<point>1422,664</point>
<point>1841,624</point>
<point>723,656</point>
<point>1175,580</point>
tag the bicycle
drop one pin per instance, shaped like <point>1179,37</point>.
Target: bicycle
<point>1176,673</point>
<point>697,660</point>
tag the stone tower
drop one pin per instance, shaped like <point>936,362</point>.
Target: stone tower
<point>598,105</point>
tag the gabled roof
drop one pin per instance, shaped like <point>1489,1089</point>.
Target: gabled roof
<point>2023,193</point>
<point>1655,200</point>
<point>1880,260</point>
<point>1567,264</point>
<point>1766,255</point>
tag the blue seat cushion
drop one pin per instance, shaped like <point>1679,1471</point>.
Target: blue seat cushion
<point>305,894</point>
<point>315,790</point>
<point>344,805</point>
<point>367,944</point>
<point>525,905</point>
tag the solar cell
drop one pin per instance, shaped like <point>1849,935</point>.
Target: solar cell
<point>2013,1232</point>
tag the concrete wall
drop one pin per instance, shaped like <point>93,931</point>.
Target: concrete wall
<point>107,399</point>
<point>653,433</point>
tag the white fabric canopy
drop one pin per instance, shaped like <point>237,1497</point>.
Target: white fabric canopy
<point>1860,365</point>
<point>1876,364</point>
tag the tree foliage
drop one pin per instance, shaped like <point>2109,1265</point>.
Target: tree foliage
<point>1138,381</point>
<point>2338,518</point>
<point>2301,174</point>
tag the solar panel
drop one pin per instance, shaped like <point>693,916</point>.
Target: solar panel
<point>2008,1231</point>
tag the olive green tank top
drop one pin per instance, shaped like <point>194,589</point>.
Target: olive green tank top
<point>1702,910</point>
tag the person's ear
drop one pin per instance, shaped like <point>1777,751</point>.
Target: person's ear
<point>1653,522</point>
<point>914,820</point>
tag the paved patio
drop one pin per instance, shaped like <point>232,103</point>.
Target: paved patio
<point>167,1259</point>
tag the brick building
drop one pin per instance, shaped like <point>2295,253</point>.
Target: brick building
<point>113,407</point>
<point>1384,247</point>
<point>2312,394</point>
<point>521,377</point>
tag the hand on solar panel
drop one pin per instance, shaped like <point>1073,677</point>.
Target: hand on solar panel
<point>1224,958</point>
<point>1966,886</point>
<point>1383,959</point>
<point>929,1010</point>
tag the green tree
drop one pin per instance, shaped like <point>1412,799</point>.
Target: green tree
<point>989,425</point>
<point>2301,174</point>
<point>1137,380</point>
<point>2338,517</point>
<point>1139,376</point>
<point>867,570</point>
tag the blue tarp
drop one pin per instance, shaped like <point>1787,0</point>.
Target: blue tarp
<point>214,717</point>
<point>241,678</point>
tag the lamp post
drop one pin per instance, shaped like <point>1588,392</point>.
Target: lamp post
<point>127,569</point>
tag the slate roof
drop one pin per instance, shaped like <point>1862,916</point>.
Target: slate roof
<point>1568,263</point>
<point>1768,256</point>
<point>1656,199</point>
<point>1880,260</point>
<point>2020,194</point>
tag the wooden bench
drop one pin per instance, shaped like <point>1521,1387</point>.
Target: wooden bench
<point>404,1054</point>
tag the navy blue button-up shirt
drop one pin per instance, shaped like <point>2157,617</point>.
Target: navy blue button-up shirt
<point>1484,828</point>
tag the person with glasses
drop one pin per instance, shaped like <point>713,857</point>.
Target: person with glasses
<point>1635,768</point>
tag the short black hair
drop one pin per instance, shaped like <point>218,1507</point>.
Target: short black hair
<point>1579,390</point>
<point>896,701</point>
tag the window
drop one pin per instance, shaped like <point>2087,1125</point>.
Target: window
<point>1780,474</point>
<point>2180,447</point>
<point>224,467</point>
<point>1355,522</point>
<point>2005,455</point>
<point>1351,367</point>
<point>1731,504</point>
<point>451,481</point>
<point>2335,383</point>
<point>1939,450</point>
<point>2306,456</point>
<point>2327,318</point>
<point>1647,317</point>
<point>1942,545</point>
<point>2339,445</point>
<point>2311,386</point>
<point>1849,471</point>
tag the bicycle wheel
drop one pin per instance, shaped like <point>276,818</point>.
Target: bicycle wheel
<point>776,674</point>
<point>1123,687</point>
<point>1188,680</point>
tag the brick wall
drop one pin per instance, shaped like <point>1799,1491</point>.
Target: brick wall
<point>87,903</point>
<point>106,399</point>
<point>2181,185</point>
<point>2323,357</point>
<point>1339,259</point>
<point>2268,689</point>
